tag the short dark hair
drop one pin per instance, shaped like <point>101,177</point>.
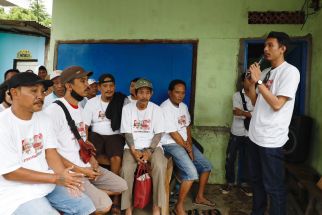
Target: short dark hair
<point>42,68</point>
<point>135,79</point>
<point>281,37</point>
<point>175,82</point>
<point>10,70</point>
<point>104,76</point>
<point>243,76</point>
<point>3,90</point>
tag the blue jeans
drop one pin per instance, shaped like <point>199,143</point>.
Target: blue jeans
<point>236,146</point>
<point>59,199</point>
<point>267,172</point>
<point>188,169</point>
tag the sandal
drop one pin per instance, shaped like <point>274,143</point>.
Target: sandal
<point>207,203</point>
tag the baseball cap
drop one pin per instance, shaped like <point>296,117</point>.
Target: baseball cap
<point>73,72</point>
<point>55,74</point>
<point>143,83</point>
<point>91,81</point>
<point>27,79</point>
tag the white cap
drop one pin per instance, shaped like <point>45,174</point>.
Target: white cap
<point>91,81</point>
<point>55,74</point>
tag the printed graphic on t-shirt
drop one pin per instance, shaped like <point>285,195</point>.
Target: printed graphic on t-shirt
<point>269,84</point>
<point>142,125</point>
<point>101,115</point>
<point>182,121</point>
<point>81,129</point>
<point>32,147</point>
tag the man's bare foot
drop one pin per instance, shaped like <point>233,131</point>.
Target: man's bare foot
<point>156,210</point>
<point>179,210</point>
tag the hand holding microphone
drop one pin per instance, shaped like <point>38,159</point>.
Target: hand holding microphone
<point>254,72</point>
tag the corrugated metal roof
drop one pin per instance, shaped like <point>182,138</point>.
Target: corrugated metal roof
<point>24,27</point>
<point>6,3</point>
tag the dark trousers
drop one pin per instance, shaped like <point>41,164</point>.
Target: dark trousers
<point>236,146</point>
<point>266,171</point>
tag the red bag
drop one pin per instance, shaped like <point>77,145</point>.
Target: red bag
<point>86,151</point>
<point>142,187</point>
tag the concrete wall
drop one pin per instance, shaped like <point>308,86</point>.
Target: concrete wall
<point>218,25</point>
<point>11,44</point>
<point>313,26</point>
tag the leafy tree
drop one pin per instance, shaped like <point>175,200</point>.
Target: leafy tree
<point>36,12</point>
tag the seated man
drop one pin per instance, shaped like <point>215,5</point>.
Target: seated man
<point>177,142</point>
<point>103,113</point>
<point>132,96</point>
<point>142,124</point>
<point>99,182</point>
<point>58,88</point>
<point>30,165</point>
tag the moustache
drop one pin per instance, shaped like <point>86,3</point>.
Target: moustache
<point>40,102</point>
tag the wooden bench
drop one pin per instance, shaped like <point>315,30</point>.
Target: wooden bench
<point>103,160</point>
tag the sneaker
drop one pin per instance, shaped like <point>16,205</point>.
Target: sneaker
<point>226,188</point>
<point>247,190</point>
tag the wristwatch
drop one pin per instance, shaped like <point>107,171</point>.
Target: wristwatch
<point>259,82</point>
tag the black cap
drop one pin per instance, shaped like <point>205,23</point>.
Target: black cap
<point>27,79</point>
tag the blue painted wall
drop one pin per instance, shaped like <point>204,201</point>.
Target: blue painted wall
<point>11,44</point>
<point>159,63</point>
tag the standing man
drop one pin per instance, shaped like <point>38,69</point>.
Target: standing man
<point>238,140</point>
<point>103,113</point>
<point>30,165</point>
<point>99,182</point>
<point>142,125</point>
<point>10,73</point>
<point>268,129</point>
<point>58,88</point>
<point>177,142</point>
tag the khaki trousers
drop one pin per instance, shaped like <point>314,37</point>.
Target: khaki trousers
<point>158,166</point>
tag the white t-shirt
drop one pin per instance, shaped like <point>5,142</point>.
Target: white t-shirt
<point>269,128</point>
<point>238,127</point>
<point>49,99</point>
<point>94,115</point>
<point>23,144</point>
<point>68,146</point>
<point>142,124</point>
<point>130,99</point>
<point>2,108</point>
<point>176,119</point>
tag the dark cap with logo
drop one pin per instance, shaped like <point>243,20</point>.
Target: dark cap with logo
<point>27,79</point>
<point>73,72</point>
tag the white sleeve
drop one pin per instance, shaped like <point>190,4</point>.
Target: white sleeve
<point>288,83</point>
<point>50,138</point>
<point>9,153</point>
<point>170,121</point>
<point>126,119</point>
<point>158,120</point>
<point>88,113</point>
<point>56,115</point>
<point>237,101</point>
<point>188,116</point>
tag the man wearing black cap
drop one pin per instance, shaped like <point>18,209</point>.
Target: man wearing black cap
<point>103,113</point>
<point>99,182</point>
<point>30,165</point>
<point>268,130</point>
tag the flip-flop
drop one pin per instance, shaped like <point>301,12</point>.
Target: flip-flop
<point>207,203</point>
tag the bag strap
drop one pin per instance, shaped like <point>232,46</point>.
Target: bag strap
<point>243,100</point>
<point>69,119</point>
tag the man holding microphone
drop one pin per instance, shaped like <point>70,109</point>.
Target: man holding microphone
<point>268,131</point>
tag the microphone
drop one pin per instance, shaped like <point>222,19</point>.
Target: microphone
<point>260,61</point>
